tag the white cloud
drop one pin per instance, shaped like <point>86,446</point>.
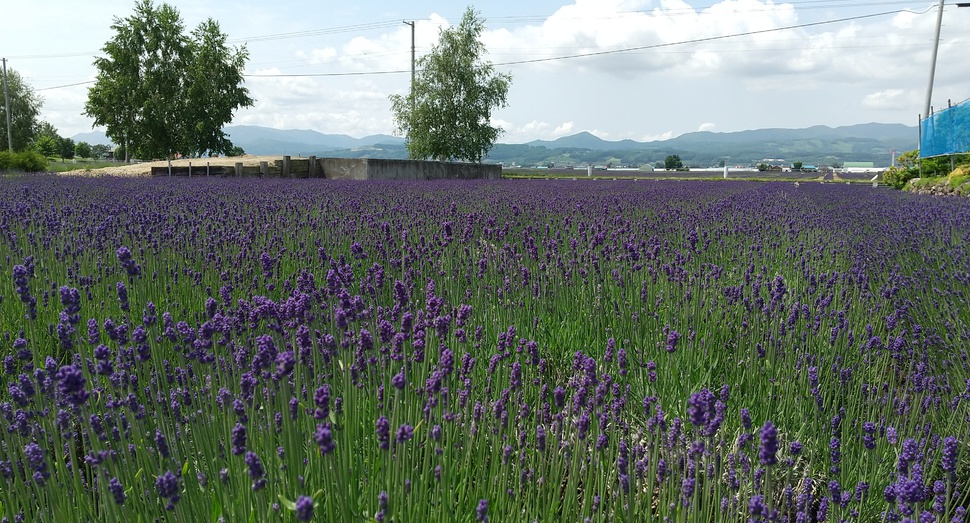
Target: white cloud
<point>564,129</point>
<point>707,126</point>
<point>318,56</point>
<point>666,135</point>
<point>534,127</point>
<point>871,69</point>
<point>891,99</point>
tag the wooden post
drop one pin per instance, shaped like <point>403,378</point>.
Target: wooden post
<point>190,169</point>
<point>264,168</point>
<point>286,166</point>
<point>313,167</point>
<point>207,169</point>
<point>239,169</point>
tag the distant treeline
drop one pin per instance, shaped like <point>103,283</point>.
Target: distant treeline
<point>859,150</point>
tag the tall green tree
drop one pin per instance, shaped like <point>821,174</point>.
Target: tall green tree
<point>100,151</point>
<point>145,92</point>
<point>215,89</point>
<point>48,140</point>
<point>446,115</point>
<point>65,148</point>
<point>82,150</point>
<point>673,162</point>
<point>25,107</point>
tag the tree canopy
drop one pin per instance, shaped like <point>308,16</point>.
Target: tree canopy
<point>673,162</point>
<point>160,91</point>
<point>24,109</point>
<point>446,115</point>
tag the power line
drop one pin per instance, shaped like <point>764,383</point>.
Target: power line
<point>315,75</point>
<point>800,5</point>
<point>562,57</point>
<point>619,51</point>
<point>62,86</point>
<point>317,32</point>
<point>700,40</point>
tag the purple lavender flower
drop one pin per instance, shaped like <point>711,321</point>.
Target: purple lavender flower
<point>951,449</point>
<point>909,490</point>
<point>835,491</point>
<point>757,507</point>
<point>285,361</point>
<point>70,383</point>
<point>891,435</point>
<point>122,296</point>
<point>481,511</point>
<point>167,486</point>
<point>71,300</point>
<point>515,379</point>
<point>835,454</point>
<point>117,491</point>
<point>383,433</point>
<point>324,438</point>
<point>127,263</point>
<point>399,381</point>
<point>256,471</point>
<point>907,455</point>
<point>238,439</point>
<point>247,386</point>
<point>869,435</point>
<point>321,397</point>
<point>161,444</point>
<point>672,338</point>
<point>404,433</point>
<point>700,407</point>
<point>35,458</point>
<point>559,396</point>
<point>823,509</point>
<point>304,508</point>
<point>769,444</point>
<point>687,490</point>
<point>582,425</point>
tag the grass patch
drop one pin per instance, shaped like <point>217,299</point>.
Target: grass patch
<point>80,164</point>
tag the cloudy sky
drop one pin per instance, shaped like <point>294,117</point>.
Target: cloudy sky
<point>640,69</point>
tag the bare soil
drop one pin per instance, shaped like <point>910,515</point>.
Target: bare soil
<point>145,168</point>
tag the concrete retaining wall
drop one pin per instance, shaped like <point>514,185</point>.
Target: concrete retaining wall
<point>353,169</point>
<point>379,169</point>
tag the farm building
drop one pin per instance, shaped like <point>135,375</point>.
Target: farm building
<point>861,167</point>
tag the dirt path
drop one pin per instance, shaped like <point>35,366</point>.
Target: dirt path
<point>145,168</point>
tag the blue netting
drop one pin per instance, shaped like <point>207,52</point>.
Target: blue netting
<point>946,132</point>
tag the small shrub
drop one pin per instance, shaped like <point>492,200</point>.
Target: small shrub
<point>6,159</point>
<point>897,178</point>
<point>25,161</point>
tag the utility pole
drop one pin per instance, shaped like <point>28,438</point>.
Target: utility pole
<point>411,23</point>
<point>936,48</point>
<point>6,105</point>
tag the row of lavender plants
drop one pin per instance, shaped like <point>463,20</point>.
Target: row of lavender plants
<point>295,350</point>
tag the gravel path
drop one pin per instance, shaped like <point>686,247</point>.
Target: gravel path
<point>145,168</point>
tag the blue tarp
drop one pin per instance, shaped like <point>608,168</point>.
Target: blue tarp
<point>946,132</point>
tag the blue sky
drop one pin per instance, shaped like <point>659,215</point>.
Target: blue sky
<point>871,69</point>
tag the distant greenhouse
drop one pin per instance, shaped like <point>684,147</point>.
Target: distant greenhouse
<point>861,167</point>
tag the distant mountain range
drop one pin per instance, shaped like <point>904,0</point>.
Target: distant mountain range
<point>819,145</point>
<point>264,140</point>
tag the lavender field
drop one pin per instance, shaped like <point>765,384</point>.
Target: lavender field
<point>310,350</point>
